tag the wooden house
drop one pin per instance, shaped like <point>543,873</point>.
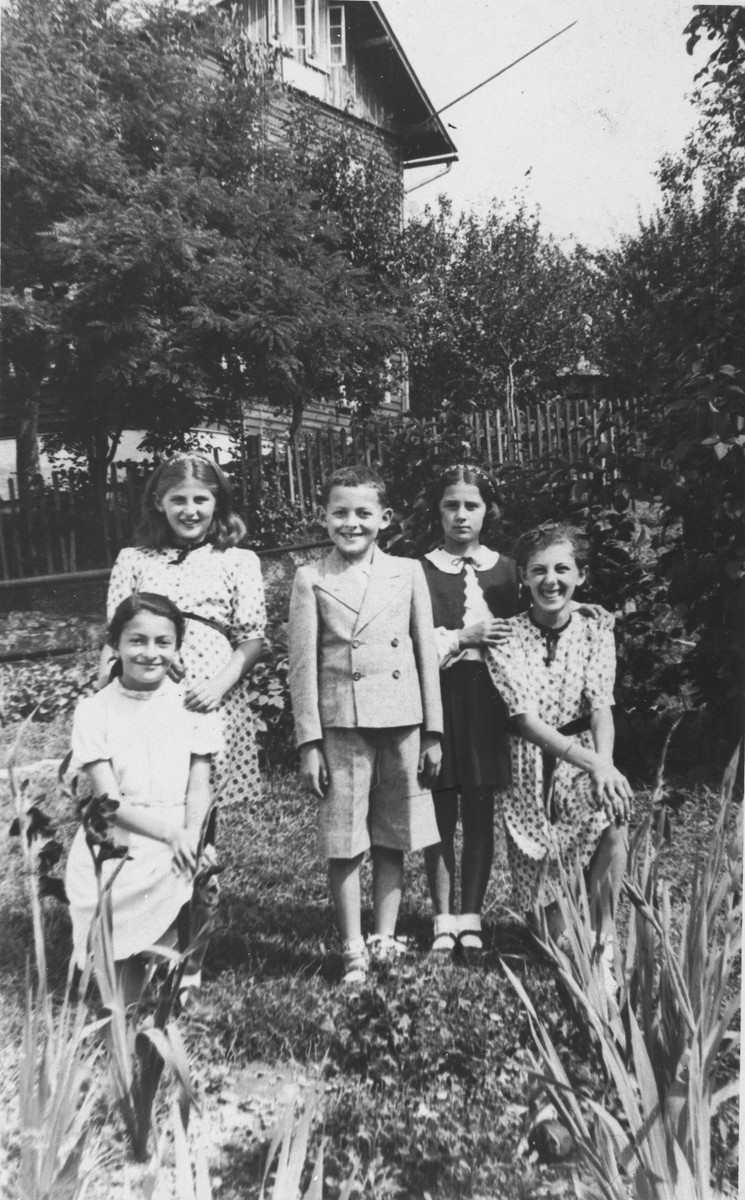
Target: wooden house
<point>344,60</point>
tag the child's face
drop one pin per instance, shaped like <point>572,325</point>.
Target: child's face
<point>553,576</point>
<point>354,518</point>
<point>462,512</point>
<point>188,508</point>
<point>147,647</point>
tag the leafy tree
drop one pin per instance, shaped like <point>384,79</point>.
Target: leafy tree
<point>190,269</point>
<point>497,309</point>
<point>673,337</point>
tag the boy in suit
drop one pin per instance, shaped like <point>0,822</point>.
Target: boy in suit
<point>364,681</point>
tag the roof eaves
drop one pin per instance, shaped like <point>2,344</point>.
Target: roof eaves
<point>450,153</point>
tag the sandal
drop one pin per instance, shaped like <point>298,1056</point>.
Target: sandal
<point>470,943</point>
<point>355,963</point>
<point>385,948</point>
<point>445,935</point>
<point>470,947</point>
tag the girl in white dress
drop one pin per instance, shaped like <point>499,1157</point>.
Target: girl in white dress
<point>139,745</point>
<point>188,550</point>
<point>556,673</point>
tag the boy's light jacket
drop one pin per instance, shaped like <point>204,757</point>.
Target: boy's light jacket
<point>372,668</point>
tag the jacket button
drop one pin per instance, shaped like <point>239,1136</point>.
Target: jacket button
<point>357,675</point>
<point>394,642</point>
<point>396,674</point>
<point>355,644</point>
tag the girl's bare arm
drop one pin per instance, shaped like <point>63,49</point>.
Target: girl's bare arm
<point>134,818</point>
<point>205,695</point>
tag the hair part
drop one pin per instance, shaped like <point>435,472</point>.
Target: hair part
<point>552,533</point>
<point>474,476</point>
<point>356,476</point>
<point>227,528</point>
<point>143,602</point>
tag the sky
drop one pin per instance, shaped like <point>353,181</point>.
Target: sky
<point>577,128</point>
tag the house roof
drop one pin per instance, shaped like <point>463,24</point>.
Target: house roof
<point>424,136</point>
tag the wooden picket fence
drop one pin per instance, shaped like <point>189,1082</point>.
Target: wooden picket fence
<point>68,524</point>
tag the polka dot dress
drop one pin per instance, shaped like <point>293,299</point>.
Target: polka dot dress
<point>578,680</point>
<point>224,586</point>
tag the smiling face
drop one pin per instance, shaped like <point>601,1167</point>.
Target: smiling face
<point>354,517</point>
<point>462,513</point>
<point>147,647</point>
<point>188,508</point>
<point>552,576</point>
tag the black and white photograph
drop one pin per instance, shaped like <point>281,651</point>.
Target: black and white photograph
<point>372,597</point>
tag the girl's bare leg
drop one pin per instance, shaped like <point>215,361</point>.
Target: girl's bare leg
<point>605,878</point>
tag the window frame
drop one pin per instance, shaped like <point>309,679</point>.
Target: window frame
<point>338,10</point>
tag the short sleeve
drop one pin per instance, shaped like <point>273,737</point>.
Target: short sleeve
<point>124,579</point>
<point>600,674</point>
<point>248,615</point>
<point>512,677</point>
<point>206,734</point>
<point>89,741</point>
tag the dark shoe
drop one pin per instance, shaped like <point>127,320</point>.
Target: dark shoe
<point>470,947</point>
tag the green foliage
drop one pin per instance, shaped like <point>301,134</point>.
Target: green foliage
<point>190,269</point>
<point>673,338</point>
<point>497,309</point>
<point>46,688</point>
<point>664,1046</point>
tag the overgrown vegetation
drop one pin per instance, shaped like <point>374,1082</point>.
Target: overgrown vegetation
<point>419,1084</point>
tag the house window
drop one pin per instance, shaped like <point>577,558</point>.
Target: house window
<point>307,29</point>
<point>337,36</point>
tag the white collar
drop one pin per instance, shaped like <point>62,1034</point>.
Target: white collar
<point>483,560</point>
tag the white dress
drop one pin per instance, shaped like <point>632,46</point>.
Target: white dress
<point>560,685</point>
<point>223,586</point>
<point>149,738</point>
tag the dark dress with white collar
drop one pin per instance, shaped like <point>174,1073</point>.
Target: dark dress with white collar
<point>475,743</point>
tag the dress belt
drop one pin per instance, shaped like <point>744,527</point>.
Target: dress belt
<point>223,629</point>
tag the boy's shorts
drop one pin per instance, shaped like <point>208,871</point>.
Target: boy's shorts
<point>374,796</point>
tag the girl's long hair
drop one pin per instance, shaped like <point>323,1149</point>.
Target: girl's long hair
<point>128,609</point>
<point>227,528</point>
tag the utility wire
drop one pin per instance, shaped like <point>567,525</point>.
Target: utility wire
<point>484,82</point>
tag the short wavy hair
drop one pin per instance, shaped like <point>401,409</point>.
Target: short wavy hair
<point>356,476</point>
<point>552,533</point>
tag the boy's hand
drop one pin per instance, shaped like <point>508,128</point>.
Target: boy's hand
<point>203,696</point>
<point>314,772</point>
<point>485,633</point>
<point>605,619</point>
<point>430,757</point>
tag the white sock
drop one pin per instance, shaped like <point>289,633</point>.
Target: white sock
<point>446,923</point>
<point>469,923</point>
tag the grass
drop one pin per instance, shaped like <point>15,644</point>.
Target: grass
<point>420,1083</point>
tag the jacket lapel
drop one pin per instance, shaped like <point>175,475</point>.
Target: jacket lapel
<point>329,581</point>
<point>380,590</point>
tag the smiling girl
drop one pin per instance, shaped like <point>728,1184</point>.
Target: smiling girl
<point>138,745</point>
<point>556,675</point>
<point>188,550</point>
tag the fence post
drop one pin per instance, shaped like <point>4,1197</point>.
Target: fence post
<point>251,473</point>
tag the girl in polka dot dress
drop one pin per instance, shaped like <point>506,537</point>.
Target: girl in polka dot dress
<point>188,550</point>
<point>556,675</point>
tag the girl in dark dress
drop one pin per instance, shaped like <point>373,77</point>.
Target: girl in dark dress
<point>474,590</point>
